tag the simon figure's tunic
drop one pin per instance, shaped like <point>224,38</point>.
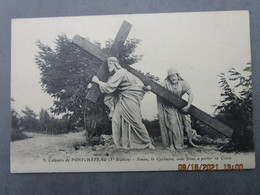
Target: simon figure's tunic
<point>170,118</point>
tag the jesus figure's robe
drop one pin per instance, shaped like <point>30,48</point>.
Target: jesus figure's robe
<point>124,91</point>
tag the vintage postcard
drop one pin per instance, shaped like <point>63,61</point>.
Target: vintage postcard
<point>141,92</point>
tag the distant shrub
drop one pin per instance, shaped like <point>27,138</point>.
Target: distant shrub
<point>16,134</point>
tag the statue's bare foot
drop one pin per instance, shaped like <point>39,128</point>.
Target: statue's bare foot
<point>165,148</point>
<point>151,147</point>
<point>116,146</point>
<point>172,148</point>
<point>193,145</point>
<point>112,146</point>
<point>125,148</point>
<point>121,147</point>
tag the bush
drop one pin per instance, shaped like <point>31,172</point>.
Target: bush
<point>16,135</point>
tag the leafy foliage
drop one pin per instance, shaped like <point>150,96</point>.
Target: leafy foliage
<point>45,123</point>
<point>236,107</point>
<point>29,119</point>
<point>65,74</point>
<point>16,134</point>
<point>51,125</point>
<point>14,119</point>
<point>153,127</point>
<point>150,76</point>
<point>126,56</point>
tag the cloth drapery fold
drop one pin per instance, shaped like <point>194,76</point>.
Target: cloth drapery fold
<point>170,118</point>
<point>124,91</point>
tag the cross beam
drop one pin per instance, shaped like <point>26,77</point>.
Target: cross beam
<point>178,102</point>
<point>94,92</point>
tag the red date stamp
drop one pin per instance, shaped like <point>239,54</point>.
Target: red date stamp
<point>210,167</point>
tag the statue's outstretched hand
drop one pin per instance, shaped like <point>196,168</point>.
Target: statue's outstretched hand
<point>89,85</point>
<point>185,109</point>
<point>95,79</point>
<point>147,88</point>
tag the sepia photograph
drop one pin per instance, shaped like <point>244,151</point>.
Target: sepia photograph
<point>139,92</point>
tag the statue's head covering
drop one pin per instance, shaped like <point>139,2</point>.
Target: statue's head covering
<point>115,61</point>
<point>172,71</point>
<point>112,59</point>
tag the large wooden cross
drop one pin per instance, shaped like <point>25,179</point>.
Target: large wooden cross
<point>94,93</point>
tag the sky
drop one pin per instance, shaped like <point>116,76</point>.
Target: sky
<point>200,45</point>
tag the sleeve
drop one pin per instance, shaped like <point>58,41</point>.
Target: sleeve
<point>161,100</point>
<point>112,84</point>
<point>110,101</point>
<point>185,87</point>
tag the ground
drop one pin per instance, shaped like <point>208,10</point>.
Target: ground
<point>46,146</point>
<point>42,147</point>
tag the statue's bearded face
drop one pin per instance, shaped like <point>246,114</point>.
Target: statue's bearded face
<point>111,66</point>
<point>173,78</point>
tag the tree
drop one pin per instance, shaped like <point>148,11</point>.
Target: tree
<point>44,120</point>
<point>15,118</point>
<point>29,121</point>
<point>153,127</point>
<point>51,125</point>
<point>65,74</point>
<point>236,107</point>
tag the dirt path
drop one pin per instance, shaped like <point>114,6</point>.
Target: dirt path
<point>41,149</point>
<point>46,146</point>
<point>42,145</point>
